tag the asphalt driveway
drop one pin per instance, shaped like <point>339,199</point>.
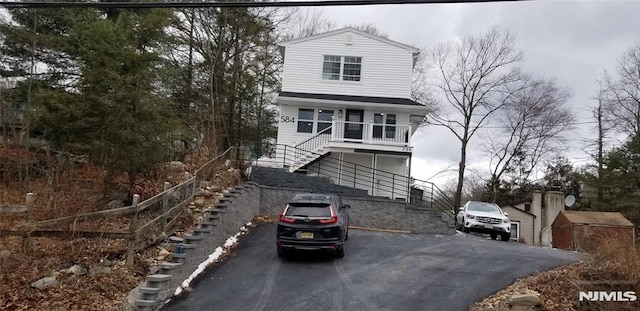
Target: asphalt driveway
<point>380,271</point>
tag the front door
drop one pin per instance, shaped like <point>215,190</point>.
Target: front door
<point>353,125</point>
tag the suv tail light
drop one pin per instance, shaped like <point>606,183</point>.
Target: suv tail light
<point>283,218</point>
<point>334,217</point>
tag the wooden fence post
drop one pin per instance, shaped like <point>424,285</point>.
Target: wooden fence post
<point>165,205</point>
<point>133,226</point>
<point>26,241</point>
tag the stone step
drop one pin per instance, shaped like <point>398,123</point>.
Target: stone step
<point>149,293</point>
<point>209,223</point>
<point>178,258</point>
<point>169,266</point>
<point>144,305</point>
<point>201,231</point>
<point>191,239</point>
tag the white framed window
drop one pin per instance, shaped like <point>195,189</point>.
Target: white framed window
<point>515,230</point>
<point>308,120</point>
<point>325,117</point>
<point>305,120</point>
<point>386,127</point>
<point>345,68</point>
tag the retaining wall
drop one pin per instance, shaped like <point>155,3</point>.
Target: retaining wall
<point>243,203</point>
<point>232,211</point>
<point>370,212</point>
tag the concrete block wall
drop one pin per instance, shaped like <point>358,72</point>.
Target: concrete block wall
<point>232,211</point>
<point>244,202</point>
<point>370,212</point>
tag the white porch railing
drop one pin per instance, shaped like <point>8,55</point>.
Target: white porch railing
<point>371,133</point>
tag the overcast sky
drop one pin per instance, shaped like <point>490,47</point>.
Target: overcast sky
<point>572,40</point>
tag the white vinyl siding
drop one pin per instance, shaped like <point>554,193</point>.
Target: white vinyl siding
<point>357,171</point>
<point>390,181</point>
<point>385,69</point>
<point>288,121</point>
<point>391,176</point>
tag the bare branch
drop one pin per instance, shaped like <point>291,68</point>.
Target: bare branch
<point>474,78</point>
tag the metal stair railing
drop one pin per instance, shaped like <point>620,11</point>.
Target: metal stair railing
<point>314,143</point>
<point>421,193</point>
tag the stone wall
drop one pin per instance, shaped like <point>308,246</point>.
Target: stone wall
<point>232,211</point>
<point>369,212</point>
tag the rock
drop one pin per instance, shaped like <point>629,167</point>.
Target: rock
<point>4,255</point>
<point>529,300</point>
<point>121,196</point>
<point>77,270</point>
<point>176,166</point>
<point>154,269</point>
<point>175,239</point>
<point>163,254</point>
<point>204,193</point>
<point>45,283</point>
<point>205,184</point>
<point>134,295</point>
<point>106,262</point>
<point>114,204</point>
<point>199,202</point>
<point>99,270</point>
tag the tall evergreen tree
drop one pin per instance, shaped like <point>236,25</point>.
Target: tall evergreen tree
<point>95,91</point>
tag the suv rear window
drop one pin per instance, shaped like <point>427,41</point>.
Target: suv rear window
<point>309,210</point>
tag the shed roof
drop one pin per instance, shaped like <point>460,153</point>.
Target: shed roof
<point>520,210</point>
<point>597,218</point>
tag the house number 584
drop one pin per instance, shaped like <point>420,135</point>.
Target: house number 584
<point>287,119</point>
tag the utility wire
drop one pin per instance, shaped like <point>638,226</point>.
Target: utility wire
<point>213,4</point>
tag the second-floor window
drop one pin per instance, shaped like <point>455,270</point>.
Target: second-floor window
<point>345,68</point>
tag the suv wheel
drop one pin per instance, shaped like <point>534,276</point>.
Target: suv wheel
<point>281,252</point>
<point>494,236</point>
<point>505,237</point>
<point>340,252</point>
<point>464,229</point>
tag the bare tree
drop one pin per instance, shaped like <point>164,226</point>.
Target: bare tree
<point>475,78</point>
<point>531,124</point>
<point>305,23</point>
<point>622,96</point>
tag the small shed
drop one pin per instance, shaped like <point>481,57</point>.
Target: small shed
<point>585,231</point>
<point>521,224</point>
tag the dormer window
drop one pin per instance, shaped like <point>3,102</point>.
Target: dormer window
<point>345,68</point>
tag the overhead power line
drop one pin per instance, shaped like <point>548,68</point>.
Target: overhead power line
<point>215,4</point>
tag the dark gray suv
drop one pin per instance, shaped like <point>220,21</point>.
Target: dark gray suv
<point>312,221</point>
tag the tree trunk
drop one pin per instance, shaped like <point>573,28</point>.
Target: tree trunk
<point>600,152</point>
<point>461,168</point>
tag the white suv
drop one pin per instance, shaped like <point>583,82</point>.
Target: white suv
<point>484,217</point>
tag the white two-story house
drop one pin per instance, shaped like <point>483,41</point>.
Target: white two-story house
<point>346,96</point>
